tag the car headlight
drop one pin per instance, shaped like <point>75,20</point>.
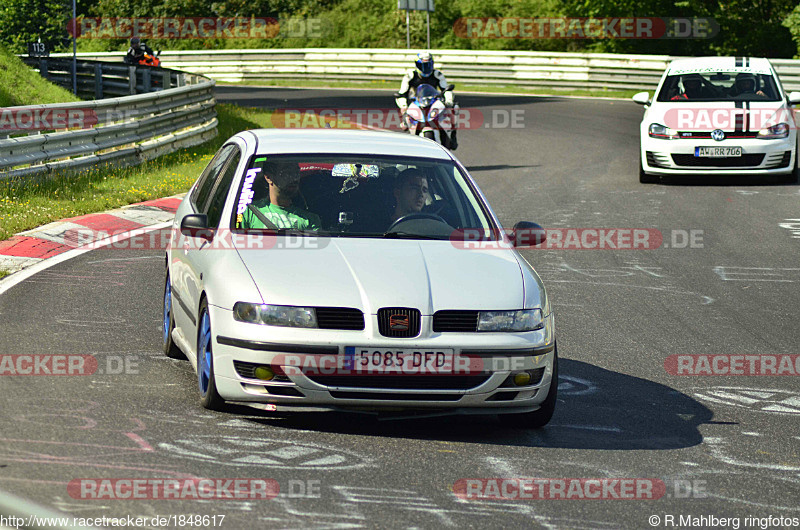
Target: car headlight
<point>275,315</point>
<point>780,130</point>
<point>522,320</point>
<point>657,130</point>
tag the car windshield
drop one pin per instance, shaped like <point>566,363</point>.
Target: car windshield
<point>719,86</point>
<point>352,196</point>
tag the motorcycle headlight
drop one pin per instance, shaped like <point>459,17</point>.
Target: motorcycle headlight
<point>275,315</point>
<point>657,130</point>
<point>780,130</point>
<point>522,320</point>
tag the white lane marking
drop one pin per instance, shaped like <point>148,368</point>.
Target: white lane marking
<point>755,274</point>
<point>19,277</point>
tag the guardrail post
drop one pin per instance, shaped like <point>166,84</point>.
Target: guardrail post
<point>43,69</point>
<point>146,79</point>
<point>165,80</point>
<point>132,80</point>
<point>181,79</point>
<point>98,81</point>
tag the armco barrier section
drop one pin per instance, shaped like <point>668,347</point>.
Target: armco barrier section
<point>554,70</point>
<point>128,130</point>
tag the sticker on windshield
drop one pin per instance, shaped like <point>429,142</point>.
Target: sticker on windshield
<point>711,69</point>
<point>352,170</point>
<point>247,190</point>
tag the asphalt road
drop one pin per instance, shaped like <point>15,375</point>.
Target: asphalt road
<point>620,313</point>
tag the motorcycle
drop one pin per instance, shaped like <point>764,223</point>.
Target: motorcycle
<point>150,60</point>
<point>427,115</point>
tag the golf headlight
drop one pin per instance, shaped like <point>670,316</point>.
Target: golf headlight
<point>275,315</point>
<point>780,130</point>
<point>657,130</point>
<point>522,320</point>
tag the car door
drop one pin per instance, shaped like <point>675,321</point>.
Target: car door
<point>189,259</point>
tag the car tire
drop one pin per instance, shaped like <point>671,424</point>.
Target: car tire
<point>541,417</point>
<point>644,178</point>
<point>171,349</point>
<point>209,397</point>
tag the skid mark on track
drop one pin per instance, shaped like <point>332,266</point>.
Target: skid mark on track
<point>273,453</point>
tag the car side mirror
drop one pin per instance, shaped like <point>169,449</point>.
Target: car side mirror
<point>794,98</point>
<point>449,87</point>
<point>642,98</point>
<point>527,234</point>
<point>196,225</point>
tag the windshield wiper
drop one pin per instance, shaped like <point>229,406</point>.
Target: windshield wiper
<point>405,235</point>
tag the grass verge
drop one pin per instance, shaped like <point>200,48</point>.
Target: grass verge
<point>20,85</point>
<point>493,89</point>
<point>27,203</point>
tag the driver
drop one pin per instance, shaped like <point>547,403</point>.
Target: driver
<point>136,51</point>
<point>424,74</point>
<point>410,193</point>
<point>283,180</point>
<point>745,83</point>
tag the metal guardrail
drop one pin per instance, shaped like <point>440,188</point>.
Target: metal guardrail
<point>128,130</point>
<point>554,70</point>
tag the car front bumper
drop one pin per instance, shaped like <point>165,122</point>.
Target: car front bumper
<point>239,348</point>
<point>759,157</point>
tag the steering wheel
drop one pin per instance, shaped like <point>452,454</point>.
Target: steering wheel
<point>415,215</point>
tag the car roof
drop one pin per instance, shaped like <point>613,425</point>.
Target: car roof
<point>344,141</point>
<point>756,65</point>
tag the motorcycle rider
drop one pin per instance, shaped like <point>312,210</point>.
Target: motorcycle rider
<point>137,51</point>
<point>425,73</point>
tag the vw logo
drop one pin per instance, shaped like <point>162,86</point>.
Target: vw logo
<point>718,135</point>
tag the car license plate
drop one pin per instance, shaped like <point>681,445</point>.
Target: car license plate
<point>399,360</point>
<point>718,152</point>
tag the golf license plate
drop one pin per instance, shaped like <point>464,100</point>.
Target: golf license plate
<point>718,152</point>
<point>399,360</point>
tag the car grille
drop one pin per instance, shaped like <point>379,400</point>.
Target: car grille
<point>746,160</point>
<point>395,397</point>
<point>403,382</point>
<point>703,135</point>
<point>344,318</point>
<point>458,321</point>
<point>399,322</point>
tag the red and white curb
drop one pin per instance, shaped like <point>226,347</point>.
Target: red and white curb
<point>47,242</point>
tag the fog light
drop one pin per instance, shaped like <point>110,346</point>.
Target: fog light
<point>264,373</point>
<point>522,378</point>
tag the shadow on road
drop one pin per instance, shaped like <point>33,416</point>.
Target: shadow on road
<point>597,409</point>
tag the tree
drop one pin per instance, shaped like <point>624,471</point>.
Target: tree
<point>24,21</point>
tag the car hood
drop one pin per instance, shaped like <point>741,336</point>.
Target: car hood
<point>711,115</point>
<point>369,274</point>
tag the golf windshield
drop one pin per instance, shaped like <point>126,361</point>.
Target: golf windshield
<point>719,86</point>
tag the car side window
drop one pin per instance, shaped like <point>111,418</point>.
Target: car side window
<point>209,177</point>
<point>220,192</point>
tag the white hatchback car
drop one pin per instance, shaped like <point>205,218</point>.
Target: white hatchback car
<point>356,270</point>
<point>714,115</point>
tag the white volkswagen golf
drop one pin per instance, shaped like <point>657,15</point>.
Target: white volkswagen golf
<point>715,115</point>
<point>356,270</point>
